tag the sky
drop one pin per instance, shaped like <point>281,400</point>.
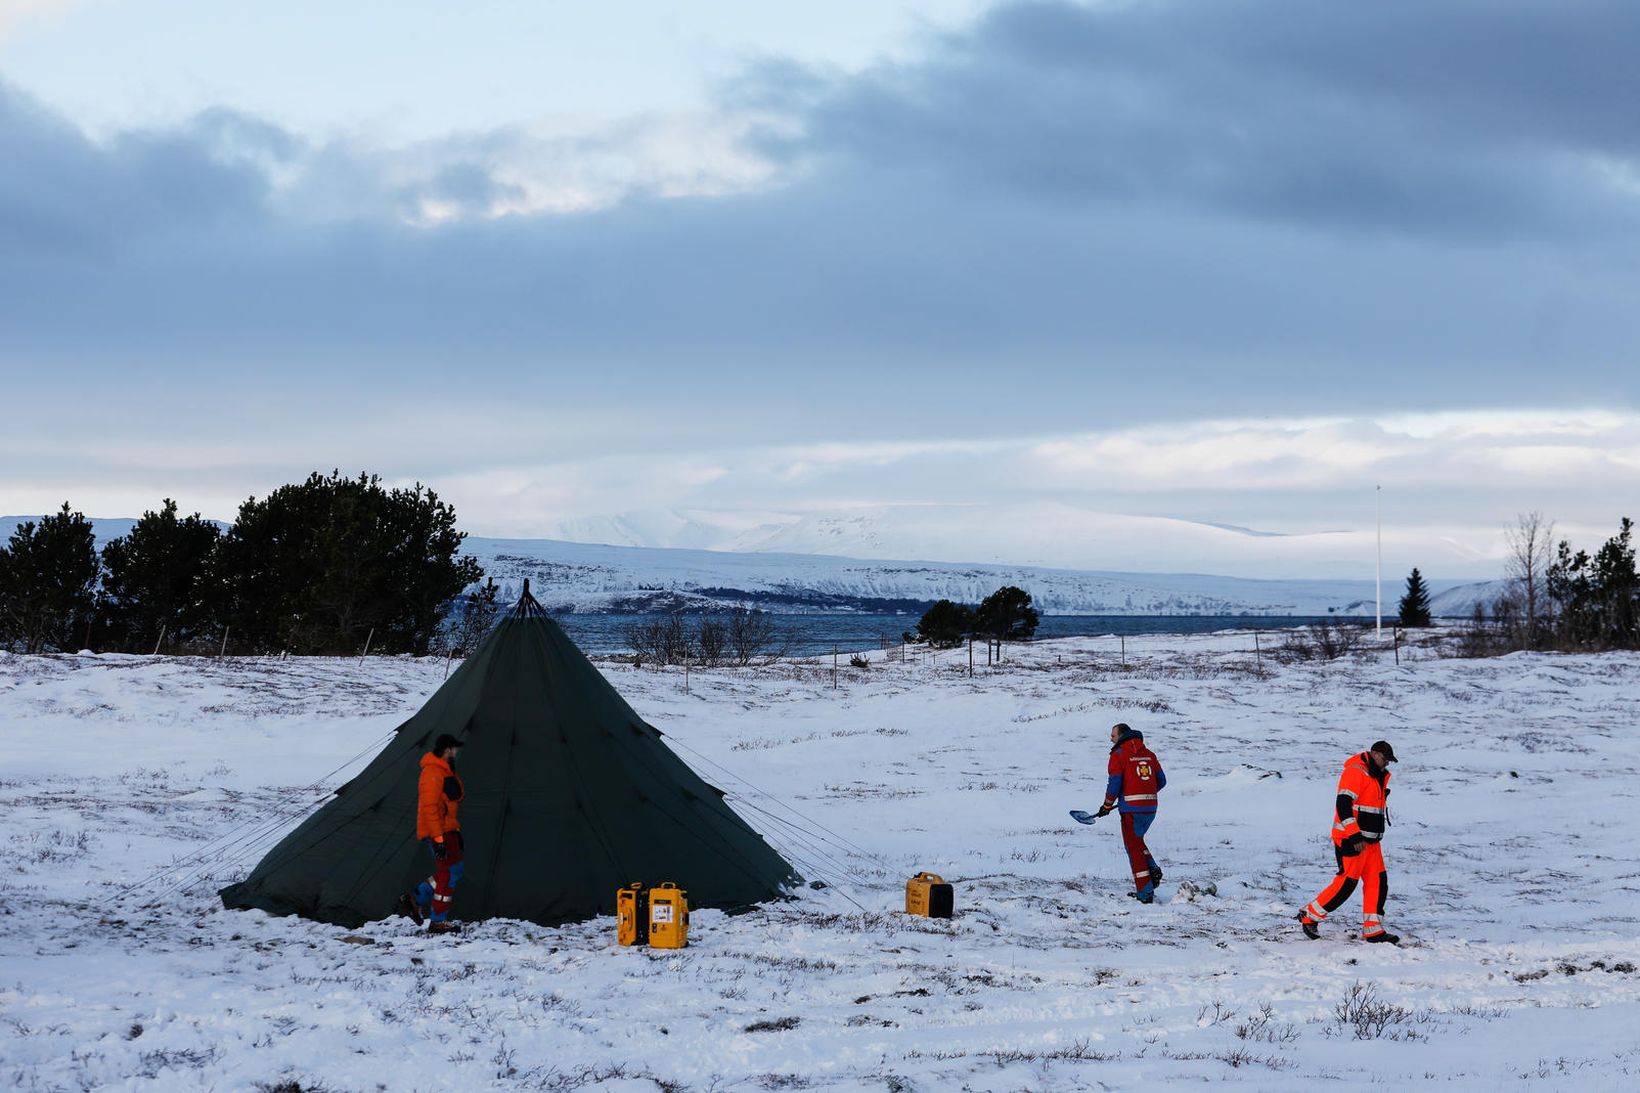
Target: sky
<point>1234,261</point>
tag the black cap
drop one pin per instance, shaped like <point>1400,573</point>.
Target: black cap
<point>1382,748</point>
<point>445,741</point>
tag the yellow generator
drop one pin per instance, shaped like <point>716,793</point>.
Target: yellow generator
<point>632,914</point>
<point>928,895</point>
<point>668,917</point>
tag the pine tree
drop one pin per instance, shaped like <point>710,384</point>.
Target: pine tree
<point>1415,603</point>
<point>1598,597</point>
<point>48,582</point>
<point>159,580</point>
<point>1007,615</point>
<point>319,566</point>
<point>944,625</point>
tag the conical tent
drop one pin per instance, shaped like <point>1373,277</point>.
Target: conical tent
<point>569,796</point>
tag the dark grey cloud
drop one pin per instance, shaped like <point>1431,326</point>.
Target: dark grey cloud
<point>1476,119</point>
<point>64,198</point>
<point>1059,218</point>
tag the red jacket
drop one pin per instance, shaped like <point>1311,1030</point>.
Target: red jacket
<point>1135,775</point>
<point>438,792</point>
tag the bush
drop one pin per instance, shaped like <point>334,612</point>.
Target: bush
<point>752,635</point>
<point>1323,639</point>
<point>712,639</point>
<point>663,640</point>
<point>466,627</point>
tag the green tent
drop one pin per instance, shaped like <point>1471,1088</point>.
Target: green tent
<point>569,796</point>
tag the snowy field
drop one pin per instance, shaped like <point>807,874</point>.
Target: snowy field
<point>1514,872</point>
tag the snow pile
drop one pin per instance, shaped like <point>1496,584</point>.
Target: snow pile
<point>1512,876</point>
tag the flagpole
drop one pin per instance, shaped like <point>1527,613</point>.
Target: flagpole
<point>1378,575</point>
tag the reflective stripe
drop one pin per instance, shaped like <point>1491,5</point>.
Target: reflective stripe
<point>1369,808</point>
<point>1372,836</point>
<point>1373,918</point>
<point>1350,793</point>
<point>1131,797</point>
<point>1315,911</point>
<point>1142,874</point>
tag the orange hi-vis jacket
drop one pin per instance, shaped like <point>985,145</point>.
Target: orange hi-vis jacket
<point>1363,801</point>
<point>438,793</point>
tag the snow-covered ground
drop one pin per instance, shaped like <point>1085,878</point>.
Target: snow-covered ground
<point>1513,866</point>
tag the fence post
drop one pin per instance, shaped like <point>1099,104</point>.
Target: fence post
<point>1397,635</point>
<point>367,642</point>
<point>222,652</point>
<point>970,656</point>
<point>1124,651</point>
<point>834,667</point>
<point>447,658</point>
<point>1258,649</point>
<point>161,641</point>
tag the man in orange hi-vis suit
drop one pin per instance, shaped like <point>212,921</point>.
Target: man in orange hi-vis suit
<point>438,794</point>
<point>1362,815</point>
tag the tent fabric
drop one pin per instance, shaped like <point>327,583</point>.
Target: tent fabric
<point>569,796</point>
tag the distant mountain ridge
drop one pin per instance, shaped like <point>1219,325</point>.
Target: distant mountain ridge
<point>589,577</point>
<point>1046,534</point>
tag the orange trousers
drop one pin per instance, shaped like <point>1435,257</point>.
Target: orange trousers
<point>1367,868</point>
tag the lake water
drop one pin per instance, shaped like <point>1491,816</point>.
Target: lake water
<point>810,635</point>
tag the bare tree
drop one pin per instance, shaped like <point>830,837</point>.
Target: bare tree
<point>1530,542</point>
<point>752,634</point>
<point>711,639</point>
<point>662,640</point>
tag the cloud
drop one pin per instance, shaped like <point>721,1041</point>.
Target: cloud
<point>1477,120</point>
<point>18,16</point>
<point>1101,224</point>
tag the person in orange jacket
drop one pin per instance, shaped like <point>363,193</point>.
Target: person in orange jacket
<point>1362,814</point>
<point>438,796</point>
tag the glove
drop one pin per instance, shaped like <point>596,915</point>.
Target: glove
<point>1352,846</point>
<point>1105,811</point>
<point>440,851</point>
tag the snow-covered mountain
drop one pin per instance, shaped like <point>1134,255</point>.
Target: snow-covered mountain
<point>586,577</point>
<point>1051,535</point>
<point>1461,601</point>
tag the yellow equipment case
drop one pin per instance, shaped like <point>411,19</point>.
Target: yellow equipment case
<point>928,895</point>
<point>632,914</point>
<point>668,917</point>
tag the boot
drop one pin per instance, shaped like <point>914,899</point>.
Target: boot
<point>1312,930</point>
<point>444,927</point>
<point>1147,894</point>
<point>1155,872</point>
<point>408,908</point>
<point>1383,937</point>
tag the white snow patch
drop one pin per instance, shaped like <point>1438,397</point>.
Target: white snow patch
<point>1513,876</point>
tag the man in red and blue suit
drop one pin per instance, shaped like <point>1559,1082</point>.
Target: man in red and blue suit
<point>1136,777</point>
